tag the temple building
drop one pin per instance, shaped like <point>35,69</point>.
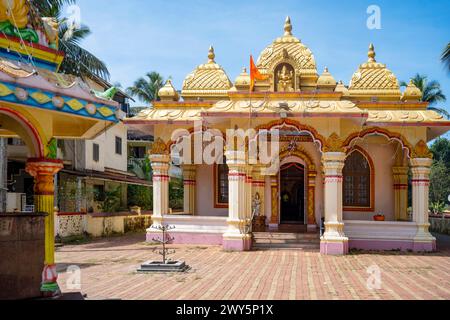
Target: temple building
<point>344,154</point>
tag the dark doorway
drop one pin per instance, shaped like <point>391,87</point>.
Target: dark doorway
<point>292,193</point>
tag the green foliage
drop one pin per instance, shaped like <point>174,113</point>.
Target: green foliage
<point>446,56</point>
<point>142,169</point>
<point>440,172</point>
<point>140,196</point>
<point>78,61</point>
<point>432,92</point>
<point>441,150</point>
<point>112,200</point>
<point>176,193</point>
<point>437,207</point>
<point>146,89</point>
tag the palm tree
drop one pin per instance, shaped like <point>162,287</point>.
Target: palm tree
<point>432,93</point>
<point>446,56</point>
<point>146,89</point>
<point>78,61</point>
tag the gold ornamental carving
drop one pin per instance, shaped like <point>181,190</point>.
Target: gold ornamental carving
<point>421,150</point>
<point>334,144</point>
<point>159,147</point>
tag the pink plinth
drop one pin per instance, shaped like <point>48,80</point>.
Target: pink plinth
<point>237,245</point>
<point>385,245</point>
<point>334,248</point>
<point>190,238</point>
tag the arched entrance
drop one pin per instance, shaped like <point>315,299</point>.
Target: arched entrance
<point>292,194</point>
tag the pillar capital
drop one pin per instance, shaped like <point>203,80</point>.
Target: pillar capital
<point>421,162</point>
<point>43,170</point>
<point>331,157</point>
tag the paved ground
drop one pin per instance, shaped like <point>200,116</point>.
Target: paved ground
<point>108,272</point>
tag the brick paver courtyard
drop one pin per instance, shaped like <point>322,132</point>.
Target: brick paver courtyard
<point>108,271</point>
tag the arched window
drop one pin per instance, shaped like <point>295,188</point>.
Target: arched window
<point>358,177</point>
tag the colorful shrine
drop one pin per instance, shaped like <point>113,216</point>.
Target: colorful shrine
<point>344,158</point>
<point>40,105</point>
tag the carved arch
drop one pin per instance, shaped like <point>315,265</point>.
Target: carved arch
<point>380,131</point>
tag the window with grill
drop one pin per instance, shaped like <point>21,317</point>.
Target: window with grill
<point>357,181</point>
<point>96,152</point>
<point>222,185</point>
<point>118,145</point>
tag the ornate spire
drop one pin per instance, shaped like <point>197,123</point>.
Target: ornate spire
<point>211,55</point>
<point>371,54</point>
<point>288,27</point>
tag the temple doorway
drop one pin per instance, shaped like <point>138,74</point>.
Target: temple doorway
<point>292,194</point>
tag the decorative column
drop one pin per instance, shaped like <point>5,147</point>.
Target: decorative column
<point>160,159</point>
<point>237,236</point>
<point>312,224</point>
<point>189,182</point>
<point>274,192</point>
<point>400,175</point>
<point>421,168</point>
<point>43,171</point>
<point>333,240</point>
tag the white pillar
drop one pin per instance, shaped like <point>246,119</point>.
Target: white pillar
<point>189,181</point>
<point>334,240</point>
<point>421,168</point>
<point>160,166</point>
<point>237,238</point>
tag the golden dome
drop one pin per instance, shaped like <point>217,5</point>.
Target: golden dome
<point>341,88</point>
<point>373,79</point>
<point>288,49</point>
<point>242,82</point>
<point>168,92</point>
<point>326,80</point>
<point>208,80</point>
<point>412,93</point>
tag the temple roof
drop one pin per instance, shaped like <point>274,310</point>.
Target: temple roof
<point>373,79</point>
<point>207,79</point>
<point>32,86</point>
<point>326,79</point>
<point>288,47</point>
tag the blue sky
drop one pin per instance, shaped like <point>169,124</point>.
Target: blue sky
<point>172,37</point>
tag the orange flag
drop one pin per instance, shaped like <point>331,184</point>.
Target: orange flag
<point>255,74</point>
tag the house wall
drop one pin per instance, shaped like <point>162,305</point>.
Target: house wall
<point>107,155</point>
<point>383,156</point>
<point>205,193</point>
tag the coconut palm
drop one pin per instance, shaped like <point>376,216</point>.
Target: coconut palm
<point>446,56</point>
<point>432,93</point>
<point>78,61</point>
<point>146,89</point>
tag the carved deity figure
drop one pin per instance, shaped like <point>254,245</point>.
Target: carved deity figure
<point>285,80</point>
<point>257,205</point>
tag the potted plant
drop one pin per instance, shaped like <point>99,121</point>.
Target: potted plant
<point>379,217</point>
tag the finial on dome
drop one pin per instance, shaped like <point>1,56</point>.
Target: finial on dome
<point>371,54</point>
<point>211,54</point>
<point>244,70</point>
<point>288,27</point>
<point>325,70</point>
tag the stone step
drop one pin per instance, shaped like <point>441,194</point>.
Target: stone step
<point>286,236</point>
<point>292,246</point>
<point>286,241</point>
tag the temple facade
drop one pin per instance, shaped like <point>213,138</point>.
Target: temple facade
<point>345,160</point>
